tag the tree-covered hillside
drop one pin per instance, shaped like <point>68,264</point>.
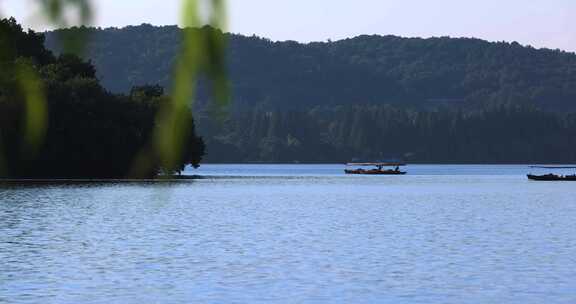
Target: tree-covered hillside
<point>369,97</point>
<point>380,132</point>
<point>367,69</point>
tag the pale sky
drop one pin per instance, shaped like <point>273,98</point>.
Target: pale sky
<point>540,23</point>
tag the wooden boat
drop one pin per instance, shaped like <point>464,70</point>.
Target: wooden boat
<point>379,170</point>
<point>550,176</point>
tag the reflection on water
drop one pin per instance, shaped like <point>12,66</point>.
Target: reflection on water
<point>285,236</point>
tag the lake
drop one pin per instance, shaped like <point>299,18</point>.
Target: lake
<point>292,234</point>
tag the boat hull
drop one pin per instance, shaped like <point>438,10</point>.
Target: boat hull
<point>551,177</point>
<point>375,172</point>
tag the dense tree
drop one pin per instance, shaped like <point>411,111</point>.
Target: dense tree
<point>502,134</point>
<point>90,133</point>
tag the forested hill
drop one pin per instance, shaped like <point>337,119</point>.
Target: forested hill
<point>369,97</point>
<point>414,72</point>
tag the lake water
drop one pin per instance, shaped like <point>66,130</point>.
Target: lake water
<point>292,234</point>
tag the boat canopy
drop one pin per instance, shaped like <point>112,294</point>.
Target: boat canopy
<point>554,167</point>
<point>376,164</point>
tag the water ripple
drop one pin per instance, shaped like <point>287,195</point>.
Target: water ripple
<point>319,239</point>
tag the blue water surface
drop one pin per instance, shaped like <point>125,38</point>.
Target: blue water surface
<point>292,234</point>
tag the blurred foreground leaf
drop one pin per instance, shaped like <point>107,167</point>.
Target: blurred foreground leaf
<point>67,13</point>
<point>36,114</point>
<point>202,51</point>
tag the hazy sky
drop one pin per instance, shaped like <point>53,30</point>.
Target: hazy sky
<point>540,23</point>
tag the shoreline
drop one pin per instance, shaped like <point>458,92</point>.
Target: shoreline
<point>407,163</point>
<point>103,180</point>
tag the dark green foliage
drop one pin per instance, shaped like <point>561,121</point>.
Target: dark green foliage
<point>424,73</point>
<point>15,43</point>
<point>507,134</point>
<point>369,97</point>
<point>91,133</point>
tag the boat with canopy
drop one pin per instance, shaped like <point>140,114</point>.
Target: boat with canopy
<point>378,168</point>
<point>551,176</point>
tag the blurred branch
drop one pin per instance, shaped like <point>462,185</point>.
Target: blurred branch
<point>200,51</point>
<point>56,11</point>
<point>36,113</point>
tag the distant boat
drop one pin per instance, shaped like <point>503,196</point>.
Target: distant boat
<point>378,170</point>
<point>550,176</point>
